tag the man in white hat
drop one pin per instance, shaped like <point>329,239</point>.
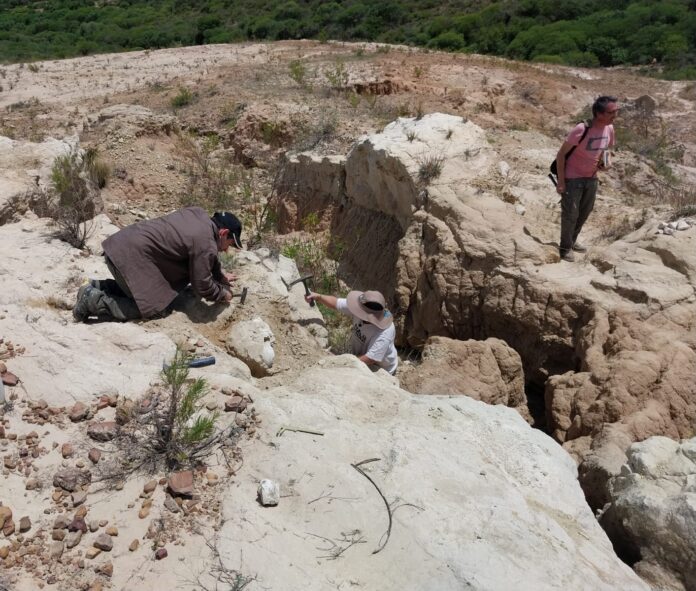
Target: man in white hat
<point>372,336</point>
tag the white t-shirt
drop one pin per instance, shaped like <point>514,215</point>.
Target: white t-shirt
<point>367,339</point>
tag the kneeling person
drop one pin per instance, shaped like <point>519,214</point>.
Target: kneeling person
<point>152,261</point>
<point>373,333</point>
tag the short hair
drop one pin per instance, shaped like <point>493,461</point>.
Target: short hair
<point>600,104</point>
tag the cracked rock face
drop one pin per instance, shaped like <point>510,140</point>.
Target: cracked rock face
<point>610,337</point>
<point>489,371</point>
<point>650,515</point>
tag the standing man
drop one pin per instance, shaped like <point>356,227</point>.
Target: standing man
<point>373,333</point>
<point>152,261</point>
<point>585,150</point>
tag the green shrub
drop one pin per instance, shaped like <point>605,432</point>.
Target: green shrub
<point>298,72</point>
<point>183,98</point>
<point>337,76</point>
<point>76,195</point>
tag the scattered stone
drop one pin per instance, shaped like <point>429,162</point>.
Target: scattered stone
<point>235,404</point>
<point>211,405</point>
<point>24,524</point>
<point>103,522</point>
<point>67,450</point>
<point>3,367</point>
<point>105,431</point>
<point>78,498</point>
<point>93,525</point>
<point>150,486</point>
<point>134,545</point>
<point>4,552</point>
<point>104,542</point>
<point>144,512</point>
<point>58,535</point>
<point>107,569</point>
<point>94,455</point>
<point>268,493</point>
<point>241,421</point>
<point>62,522</point>
<point>32,484</point>
<point>71,479</point>
<point>81,511</point>
<point>78,412</point>
<point>170,504</point>
<point>78,524</point>
<point>92,553</point>
<point>73,539</point>
<point>161,553</point>
<point>56,550</point>
<point>57,495</point>
<point>125,411</point>
<point>5,514</point>
<point>9,379</point>
<point>112,530</point>
<point>181,483</point>
<point>9,528</point>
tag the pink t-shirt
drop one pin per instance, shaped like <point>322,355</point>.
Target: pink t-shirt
<point>584,160</point>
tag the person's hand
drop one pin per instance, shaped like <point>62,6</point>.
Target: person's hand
<point>560,189</point>
<point>230,277</point>
<point>312,297</point>
<point>228,296</point>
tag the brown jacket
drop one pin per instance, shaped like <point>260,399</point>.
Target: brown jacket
<point>158,258</point>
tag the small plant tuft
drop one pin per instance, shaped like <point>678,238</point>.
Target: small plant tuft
<point>429,168</point>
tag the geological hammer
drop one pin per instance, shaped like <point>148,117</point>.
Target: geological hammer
<point>242,296</point>
<point>302,280</point>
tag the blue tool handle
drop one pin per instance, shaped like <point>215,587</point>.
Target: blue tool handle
<point>202,362</point>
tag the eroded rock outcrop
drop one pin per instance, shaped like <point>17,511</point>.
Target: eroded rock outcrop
<point>502,497</point>
<point>610,337</point>
<point>25,172</point>
<point>651,517</point>
<point>489,371</point>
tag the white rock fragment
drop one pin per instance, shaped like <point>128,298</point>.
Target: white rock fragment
<point>683,225</point>
<point>252,342</point>
<point>503,169</point>
<point>520,209</point>
<point>269,493</point>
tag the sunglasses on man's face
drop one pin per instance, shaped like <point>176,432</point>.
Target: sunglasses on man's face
<point>612,112</point>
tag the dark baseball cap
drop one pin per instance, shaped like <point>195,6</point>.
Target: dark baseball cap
<point>229,221</point>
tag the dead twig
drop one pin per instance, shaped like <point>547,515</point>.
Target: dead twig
<point>386,535</point>
<point>335,550</point>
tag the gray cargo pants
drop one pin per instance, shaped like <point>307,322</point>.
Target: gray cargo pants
<point>576,204</point>
<point>112,300</point>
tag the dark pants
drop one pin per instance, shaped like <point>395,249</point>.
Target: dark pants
<point>114,300</point>
<point>576,204</point>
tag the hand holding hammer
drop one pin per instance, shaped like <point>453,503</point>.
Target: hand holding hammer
<point>302,280</point>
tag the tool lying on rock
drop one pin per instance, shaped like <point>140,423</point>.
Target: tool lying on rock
<point>285,428</point>
<point>302,280</point>
<point>200,362</point>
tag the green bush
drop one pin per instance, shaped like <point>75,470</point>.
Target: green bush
<point>183,98</point>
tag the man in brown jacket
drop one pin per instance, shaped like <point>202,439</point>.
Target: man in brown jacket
<point>152,261</point>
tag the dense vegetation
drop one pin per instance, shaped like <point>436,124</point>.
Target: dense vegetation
<point>575,32</point>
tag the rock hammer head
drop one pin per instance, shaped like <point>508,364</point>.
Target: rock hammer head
<point>302,280</point>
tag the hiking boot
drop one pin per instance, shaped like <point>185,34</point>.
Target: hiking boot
<point>568,256</point>
<point>81,310</point>
<point>577,247</point>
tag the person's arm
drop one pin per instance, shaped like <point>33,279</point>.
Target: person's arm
<point>202,279</point>
<point>367,361</point>
<point>560,165</point>
<point>328,300</point>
